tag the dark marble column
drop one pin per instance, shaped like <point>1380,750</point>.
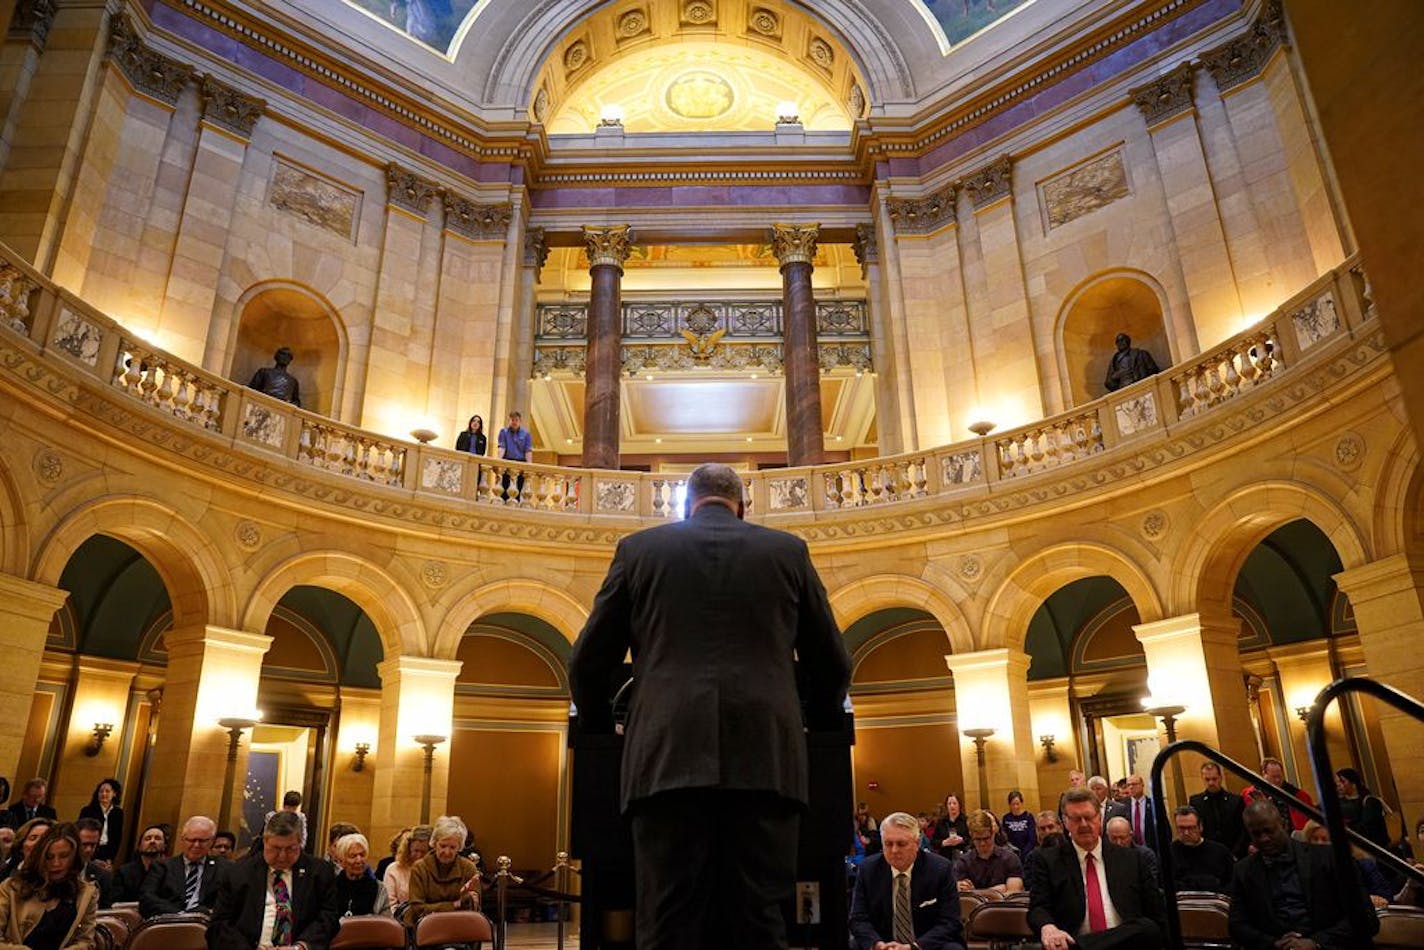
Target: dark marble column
<point>603,364</point>
<point>795,246</point>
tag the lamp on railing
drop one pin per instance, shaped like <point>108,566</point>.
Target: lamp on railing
<point>980,736</point>
<point>1169,715</point>
<point>101,732</point>
<point>235,725</point>
<point>981,428</point>
<point>428,743</point>
<point>424,436</point>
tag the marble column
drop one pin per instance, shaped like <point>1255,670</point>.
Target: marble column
<point>417,698</point>
<point>795,246</point>
<point>26,609</point>
<point>536,252</point>
<point>603,368</point>
<point>991,691</point>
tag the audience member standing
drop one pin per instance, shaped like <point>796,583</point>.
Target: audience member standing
<point>47,904</point>
<point>1197,863</point>
<point>104,808</point>
<point>515,445</point>
<point>1275,773</point>
<point>951,835</point>
<point>904,896</point>
<point>1363,810</point>
<point>1220,811</point>
<point>1138,812</point>
<point>473,439</point>
<point>1020,827</point>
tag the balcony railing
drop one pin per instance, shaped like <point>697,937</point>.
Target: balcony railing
<point>57,325</point>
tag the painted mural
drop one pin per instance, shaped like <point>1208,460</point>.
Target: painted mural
<point>433,22</point>
<point>961,19</point>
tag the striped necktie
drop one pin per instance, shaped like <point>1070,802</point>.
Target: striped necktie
<point>904,921</point>
<point>190,886</point>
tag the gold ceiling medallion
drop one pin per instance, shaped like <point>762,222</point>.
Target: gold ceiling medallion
<point>699,95</point>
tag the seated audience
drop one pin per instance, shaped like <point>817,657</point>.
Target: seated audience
<point>1090,893</point>
<point>128,879</point>
<point>389,859</point>
<point>1076,779</point>
<point>1138,811</point>
<point>1363,810</point>
<point>443,880</point>
<point>867,829</point>
<point>1275,773</point>
<point>26,837</point>
<point>88,830</point>
<point>7,841</point>
<point>1289,895</point>
<point>1220,811</point>
<point>905,896</point>
<point>1119,832</point>
<point>987,866</point>
<point>1020,828</point>
<point>1412,893</point>
<point>951,834</point>
<point>1376,885</point>
<point>358,893</point>
<point>926,830</point>
<point>31,805</point>
<point>414,846</point>
<point>1199,864</point>
<point>1048,829</point>
<point>188,880</point>
<point>47,904</point>
<point>224,844</point>
<point>104,808</point>
<point>334,834</point>
<point>277,898</point>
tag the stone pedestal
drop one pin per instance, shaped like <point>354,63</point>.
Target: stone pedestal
<point>991,691</point>
<point>26,609</point>
<point>607,250</point>
<point>795,246</point>
<point>417,698</point>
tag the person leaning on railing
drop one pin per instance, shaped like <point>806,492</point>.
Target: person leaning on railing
<point>442,880</point>
<point>47,904</point>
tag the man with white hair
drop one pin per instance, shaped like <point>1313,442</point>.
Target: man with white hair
<point>1100,788</point>
<point>188,880</point>
<point>905,896</point>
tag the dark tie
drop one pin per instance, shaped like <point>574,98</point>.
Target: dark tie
<point>904,921</point>
<point>1097,917</point>
<point>190,886</point>
<point>1137,821</point>
<point>282,920</point>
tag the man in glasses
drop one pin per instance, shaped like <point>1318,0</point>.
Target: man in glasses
<point>187,881</point>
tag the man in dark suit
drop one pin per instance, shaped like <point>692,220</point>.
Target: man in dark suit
<point>715,758</point>
<point>129,877</point>
<point>1220,811</point>
<point>31,804</point>
<point>278,897</point>
<point>90,830</point>
<point>187,881</point>
<point>1089,892</point>
<point>928,912</point>
<point>1290,895</point>
<point>1137,809</point>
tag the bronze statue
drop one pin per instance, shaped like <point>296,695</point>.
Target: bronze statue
<point>1128,365</point>
<point>276,382</point>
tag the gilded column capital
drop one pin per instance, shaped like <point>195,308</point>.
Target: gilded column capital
<point>229,108</point>
<point>1167,96</point>
<point>608,246</point>
<point>794,243</point>
<point>32,20</point>
<point>990,183</point>
<point>867,249</point>
<point>1244,58</point>
<point>536,248</point>
<point>481,222</point>
<point>925,214</point>
<point>147,70</point>
<point>407,190</point>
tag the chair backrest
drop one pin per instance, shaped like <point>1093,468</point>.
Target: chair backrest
<point>1205,922</point>
<point>128,913</point>
<point>369,932</point>
<point>171,932</point>
<point>988,894</point>
<point>968,900</point>
<point>997,921</point>
<point>1400,927</point>
<point>117,927</point>
<point>452,926</point>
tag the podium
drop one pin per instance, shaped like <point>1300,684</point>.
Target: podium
<point>602,839</point>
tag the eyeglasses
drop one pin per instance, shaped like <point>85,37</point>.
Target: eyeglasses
<point>187,840</point>
<point>283,848</point>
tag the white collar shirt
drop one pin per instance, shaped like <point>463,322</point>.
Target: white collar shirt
<point>1110,914</point>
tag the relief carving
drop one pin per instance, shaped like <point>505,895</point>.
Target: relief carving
<point>33,18</point>
<point>477,221</point>
<point>616,496</point>
<point>1315,321</point>
<point>794,243</point>
<point>407,190</point>
<point>15,291</point>
<point>867,251</point>
<point>1245,58</point>
<point>147,70</point>
<point>230,109</point>
<point>78,337</point>
<point>1136,414</point>
<point>536,250</point>
<point>922,215</point>
<point>608,246</point>
<point>1086,188</point>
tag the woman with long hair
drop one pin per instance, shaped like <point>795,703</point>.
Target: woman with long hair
<point>26,837</point>
<point>47,904</point>
<point>951,835</point>
<point>1363,810</point>
<point>104,808</point>
<point>414,846</point>
<point>473,439</point>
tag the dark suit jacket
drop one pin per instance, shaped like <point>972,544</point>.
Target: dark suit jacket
<point>15,815</point>
<point>104,881</point>
<point>1340,911</point>
<point>242,902</point>
<point>128,880</point>
<point>712,608</point>
<point>165,887</point>
<point>934,903</point>
<point>1055,884</point>
<point>1124,810</point>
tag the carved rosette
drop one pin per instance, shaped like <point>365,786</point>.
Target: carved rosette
<point>867,250</point>
<point>1167,97</point>
<point>922,215</point>
<point>405,189</point>
<point>147,70</point>
<point>990,183</point>
<point>608,247</point>
<point>230,109</point>
<point>477,221</point>
<point>1245,57</point>
<point>536,249</point>
<point>794,243</point>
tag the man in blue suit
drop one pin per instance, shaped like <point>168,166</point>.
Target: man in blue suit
<point>905,898</point>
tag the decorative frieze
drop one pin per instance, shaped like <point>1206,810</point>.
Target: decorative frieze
<point>477,221</point>
<point>608,246</point>
<point>1094,184</point>
<point>1245,57</point>
<point>147,70</point>
<point>1166,97</point>
<point>922,215</point>
<point>314,199</point>
<point>229,108</point>
<point>990,183</point>
<point>698,13</point>
<point>408,191</point>
<point>794,243</point>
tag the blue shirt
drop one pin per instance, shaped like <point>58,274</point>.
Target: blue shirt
<point>516,445</point>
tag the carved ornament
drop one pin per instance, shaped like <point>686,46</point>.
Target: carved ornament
<point>32,21</point>
<point>147,70</point>
<point>405,189</point>
<point>230,109</point>
<point>990,183</point>
<point>478,221</point>
<point>867,250</point>
<point>922,215</point>
<point>1166,97</point>
<point>536,249</point>
<point>1245,57</point>
<point>608,246</point>
<point>794,243</point>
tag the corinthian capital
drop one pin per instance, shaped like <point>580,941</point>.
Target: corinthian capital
<point>230,108</point>
<point>608,245</point>
<point>794,243</point>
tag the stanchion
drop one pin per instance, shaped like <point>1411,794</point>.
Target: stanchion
<point>502,878</point>
<point>561,887</point>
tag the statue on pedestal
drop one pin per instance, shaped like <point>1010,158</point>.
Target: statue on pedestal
<point>276,382</point>
<point>1128,365</point>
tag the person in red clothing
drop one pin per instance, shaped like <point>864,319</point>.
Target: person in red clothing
<point>1275,773</point>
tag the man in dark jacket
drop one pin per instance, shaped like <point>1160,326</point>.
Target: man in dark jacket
<point>928,902</point>
<point>187,881</point>
<point>129,877</point>
<point>278,897</point>
<point>1220,811</point>
<point>717,613</point>
<point>31,804</point>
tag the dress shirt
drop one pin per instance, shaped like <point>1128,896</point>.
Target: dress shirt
<point>269,911</point>
<point>1110,915</point>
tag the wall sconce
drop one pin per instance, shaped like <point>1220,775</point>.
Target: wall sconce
<point>1303,712</point>
<point>101,732</point>
<point>363,749</point>
<point>1047,742</point>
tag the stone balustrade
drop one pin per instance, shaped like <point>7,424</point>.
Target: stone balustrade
<point>1311,327</point>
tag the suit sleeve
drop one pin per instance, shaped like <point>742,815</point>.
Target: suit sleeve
<point>1038,883</point>
<point>820,648</point>
<point>601,646</point>
<point>862,928</point>
<point>1149,883</point>
<point>323,925</point>
<point>153,898</point>
<point>1243,929</point>
<point>223,932</point>
<point>948,930</point>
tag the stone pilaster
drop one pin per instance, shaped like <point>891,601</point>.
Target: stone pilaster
<point>534,252</point>
<point>887,407</point>
<point>417,698</point>
<point>352,791</point>
<point>101,696</point>
<point>991,691</point>
<point>608,248</point>
<point>26,609</point>
<point>795,249</point>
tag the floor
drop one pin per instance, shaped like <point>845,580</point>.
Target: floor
<point>540,937</point>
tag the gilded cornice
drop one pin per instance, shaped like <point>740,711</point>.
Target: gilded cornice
<point>1245,57</point>
<point>922,215</point>
<point>480,222</point>
<point>1166,97</point>
<point>147,70</point>
<point>990,183</point>
<point>608,246</point>
<point>794,243</point>
<point>230,108</point>
<point>407,190</point>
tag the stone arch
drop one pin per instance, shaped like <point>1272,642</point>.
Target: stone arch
<point>1213,553</point>
<point>877,592</point>
<point>1083,343</point>
<point>14,539</point>
<point>373,589</point>
<point>1399,499</point>
<point>1030,582</point>
<point>512,595</point>
<point>198,580</point>
<point>275,313</point>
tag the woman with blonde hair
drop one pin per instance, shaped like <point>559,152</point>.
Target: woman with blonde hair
<point>443,880</point>
<point>26,837</point>
<point>47,904</point>
<point>414,845</point>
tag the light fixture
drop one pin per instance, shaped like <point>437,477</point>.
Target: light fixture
<point>1303,712</point>
<point>1169,715</point>
<point>980,736</point>
<point>101,732</point>
<point>749,438</point>
<point>363,749</point>
<point>424,436</point>
<point>428,743</point>
<point>1047,742</point>
<point>981,428</point>
<point>235,725</point>
<point>610,116</point>
<point>787,113</point>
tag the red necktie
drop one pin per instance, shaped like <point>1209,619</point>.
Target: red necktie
<point>1137,821</point>
<point>1097,917</point>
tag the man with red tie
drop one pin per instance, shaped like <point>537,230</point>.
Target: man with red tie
<point>1092,894</point>
<point>1137,809</point>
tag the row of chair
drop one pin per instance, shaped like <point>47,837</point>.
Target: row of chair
<point>123,928</point>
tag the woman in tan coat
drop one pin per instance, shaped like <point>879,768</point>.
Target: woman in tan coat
<point>47,904</point>
<point>442,880</point>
